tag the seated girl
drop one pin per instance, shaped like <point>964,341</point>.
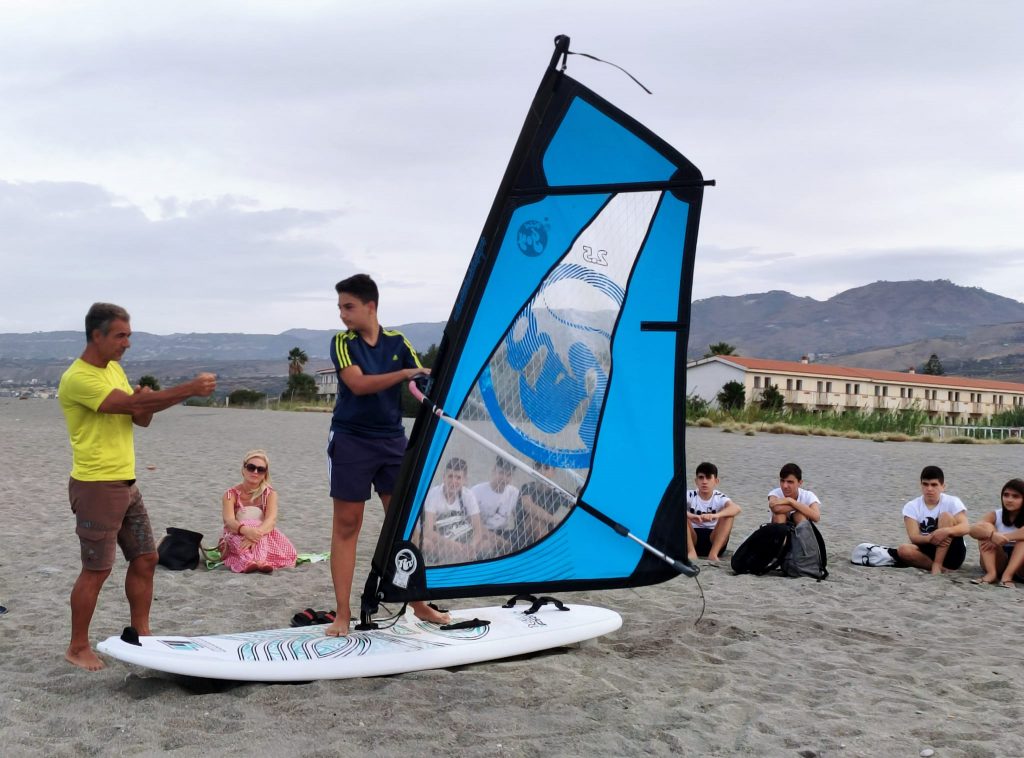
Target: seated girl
<point>1000,536</point>
<point>251,542</point>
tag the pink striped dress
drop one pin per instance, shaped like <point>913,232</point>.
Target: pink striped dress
<point>274,550</point>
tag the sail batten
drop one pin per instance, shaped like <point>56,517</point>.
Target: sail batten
<point>565,354</point>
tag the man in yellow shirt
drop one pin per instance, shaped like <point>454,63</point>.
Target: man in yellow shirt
<point>100,408</point>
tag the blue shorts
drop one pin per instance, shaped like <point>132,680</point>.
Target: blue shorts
<point>354,463</point>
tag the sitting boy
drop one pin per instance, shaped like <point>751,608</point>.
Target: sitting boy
<point>936,524</point>
<point>709,516</point>
<point>452,531</point>
<point>788,502</point>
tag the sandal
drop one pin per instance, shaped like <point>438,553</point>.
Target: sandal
<point>304,618</point>
<point>323,617</point>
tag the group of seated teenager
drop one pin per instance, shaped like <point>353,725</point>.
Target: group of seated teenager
<point>710,514</point>
<point>492,518</point>
<point>936,523</point>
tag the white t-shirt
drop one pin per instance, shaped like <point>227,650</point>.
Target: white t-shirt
<point>1003,528</point>
<point>928,518</point>
<point>700,507</point>
<point>452,516</point>
<point>804,497</point>
<point>496,508</point>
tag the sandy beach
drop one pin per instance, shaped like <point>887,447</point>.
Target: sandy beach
<point>871,662</point>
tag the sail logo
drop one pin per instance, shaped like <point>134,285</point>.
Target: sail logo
<point>597,257</point>
<point>405,565</point>
<point>532,238</point>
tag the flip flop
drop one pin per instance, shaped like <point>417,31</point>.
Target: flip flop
<point>979,580</point>
<point>1007,585</point>
<point>324,617</point>
<point>304,618</point>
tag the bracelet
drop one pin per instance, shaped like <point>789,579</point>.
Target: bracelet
<point>239,530</point>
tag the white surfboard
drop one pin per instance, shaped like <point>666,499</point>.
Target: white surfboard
<point>306,654</point>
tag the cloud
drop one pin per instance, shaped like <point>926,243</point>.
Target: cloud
<point>850,141</point>
<point>215,265</point>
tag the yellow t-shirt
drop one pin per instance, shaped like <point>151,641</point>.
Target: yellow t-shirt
<point>102,445</point>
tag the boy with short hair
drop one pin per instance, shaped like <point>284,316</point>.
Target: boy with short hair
<point>789,502</point>
<point>367,440</point>
<point>452,529</point>
<point>710,516</point>
<point>497,497</point>
<point>936,524</point>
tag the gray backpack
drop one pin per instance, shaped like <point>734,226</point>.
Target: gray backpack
<point>806,556</point>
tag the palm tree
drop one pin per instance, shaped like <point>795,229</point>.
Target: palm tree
<point>720,348</point>
<point>297,360</point>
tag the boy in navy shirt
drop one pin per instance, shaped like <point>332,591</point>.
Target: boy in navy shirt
<point>367,440</point>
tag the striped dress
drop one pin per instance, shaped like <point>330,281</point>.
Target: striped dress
<point>274,550</point>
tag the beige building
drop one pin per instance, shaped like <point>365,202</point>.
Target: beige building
<point>326,384</point>
<point>822,388</point>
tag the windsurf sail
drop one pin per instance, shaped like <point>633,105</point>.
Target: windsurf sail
<point>557,462</point>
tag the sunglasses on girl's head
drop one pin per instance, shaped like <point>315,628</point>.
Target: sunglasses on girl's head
<point>254,469</point>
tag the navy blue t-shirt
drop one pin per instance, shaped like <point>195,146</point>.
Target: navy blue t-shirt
<point>378,415</point>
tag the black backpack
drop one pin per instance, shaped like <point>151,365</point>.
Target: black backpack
<point>763,550</point>
<point>179,550</point>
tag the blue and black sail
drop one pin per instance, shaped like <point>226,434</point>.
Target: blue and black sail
<point>563,369</point>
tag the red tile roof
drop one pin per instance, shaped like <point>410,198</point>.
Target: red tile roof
<point>869,374</point>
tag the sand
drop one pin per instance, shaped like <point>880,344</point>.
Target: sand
<point>871,662</point>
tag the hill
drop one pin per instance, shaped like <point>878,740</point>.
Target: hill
<point>780,325</point>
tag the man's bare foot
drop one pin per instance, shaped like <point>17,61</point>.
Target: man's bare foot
<point>424,612</point>
<point>84,659</point>
<point>338,628</point>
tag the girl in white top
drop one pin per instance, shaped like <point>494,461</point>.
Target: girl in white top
<point>1000,536</point>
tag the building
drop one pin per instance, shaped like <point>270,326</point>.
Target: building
<point>326,384</point>
<point>819,388</point>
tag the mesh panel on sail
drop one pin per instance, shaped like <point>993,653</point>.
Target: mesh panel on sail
<point>539,399</point>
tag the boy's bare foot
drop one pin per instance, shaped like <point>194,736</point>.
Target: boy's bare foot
<point>424,612</point>
<point>84,659</point>
<point>338,628</point>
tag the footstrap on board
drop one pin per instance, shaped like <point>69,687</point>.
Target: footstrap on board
<point>471,624</point>
<point>536,603</point>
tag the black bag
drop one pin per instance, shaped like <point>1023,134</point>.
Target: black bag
<point>763,550</point>
<point>806,555</point>
<point>179,550</point>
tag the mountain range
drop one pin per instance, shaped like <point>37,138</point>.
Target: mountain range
<point>891,325</point>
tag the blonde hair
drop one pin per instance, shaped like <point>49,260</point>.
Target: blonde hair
<point>266,477</point>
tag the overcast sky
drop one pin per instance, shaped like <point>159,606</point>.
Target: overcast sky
<point>217,166</point>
